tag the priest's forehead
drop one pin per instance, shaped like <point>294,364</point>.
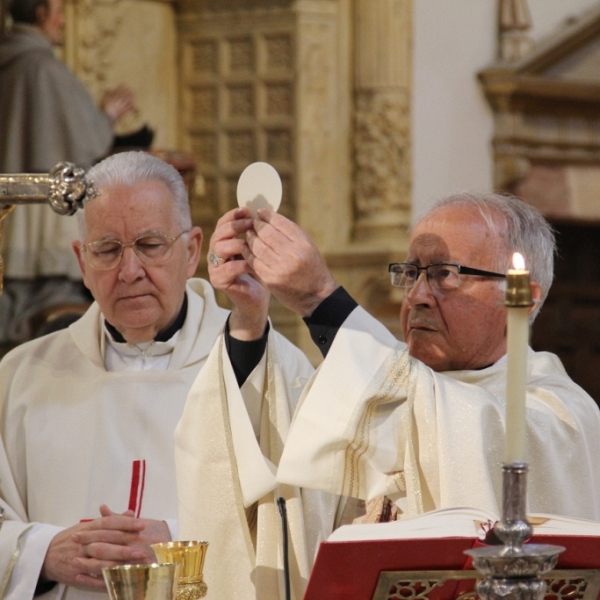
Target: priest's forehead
<point>458,233</point>
<point>128,211</point>
<point>143,205</point>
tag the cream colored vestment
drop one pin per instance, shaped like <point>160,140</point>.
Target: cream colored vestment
<point>375,421</point>
<point>71,431</point>
<point>226,478</point>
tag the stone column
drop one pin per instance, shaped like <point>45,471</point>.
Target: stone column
<point>514,20</point>
<point>381,144</point>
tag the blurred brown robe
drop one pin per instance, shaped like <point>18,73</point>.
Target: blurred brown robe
<point>46,116</point>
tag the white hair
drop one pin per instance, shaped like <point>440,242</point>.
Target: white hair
<point>129,168</point>
<point>525,230</point>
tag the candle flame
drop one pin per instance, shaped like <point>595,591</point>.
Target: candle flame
<point>518,262</point>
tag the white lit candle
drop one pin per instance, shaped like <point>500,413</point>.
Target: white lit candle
<point>518,302</point>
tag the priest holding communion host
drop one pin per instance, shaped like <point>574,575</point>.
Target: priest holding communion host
<point>87,476</point>
<point>420,422</point>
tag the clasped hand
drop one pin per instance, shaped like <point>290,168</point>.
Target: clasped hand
<point>77,555</point>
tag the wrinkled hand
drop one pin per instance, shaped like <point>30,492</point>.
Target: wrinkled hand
<point>118,102</point>
<point>63,561</point>
<point>76,556</point>
<point>250,298</point>
<point>287,262</point>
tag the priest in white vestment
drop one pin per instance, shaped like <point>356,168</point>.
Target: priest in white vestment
<point>226,457</point>
<point>88,414</point>
<point>422,422</point>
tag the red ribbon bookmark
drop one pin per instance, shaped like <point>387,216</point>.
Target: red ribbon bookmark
<point>138,479</point>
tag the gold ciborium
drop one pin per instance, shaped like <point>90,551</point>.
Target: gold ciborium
<point>142,582</point>
<point>190,556</point>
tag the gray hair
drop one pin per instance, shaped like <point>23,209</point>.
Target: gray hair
<point>129,168</point>
<point>525,230</point>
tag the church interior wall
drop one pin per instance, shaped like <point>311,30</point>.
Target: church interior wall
<point>452,123</point>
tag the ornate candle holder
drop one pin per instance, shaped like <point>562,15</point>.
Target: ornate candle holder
<point>190,556</point>
<point>142,582</point>
<point>513,570</point>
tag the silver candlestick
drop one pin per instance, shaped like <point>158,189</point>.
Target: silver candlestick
<point>512,571</point>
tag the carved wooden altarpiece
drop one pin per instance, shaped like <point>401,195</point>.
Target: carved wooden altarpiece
<point>321,90</point>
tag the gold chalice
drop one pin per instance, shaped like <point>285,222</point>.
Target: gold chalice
<point>142,582</point>
<point>190,556</point>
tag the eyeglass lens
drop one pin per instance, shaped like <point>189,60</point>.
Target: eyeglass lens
<point>443,277</point>
<point>152,249</point>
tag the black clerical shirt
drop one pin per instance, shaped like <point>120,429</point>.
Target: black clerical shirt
<point>323,326</point>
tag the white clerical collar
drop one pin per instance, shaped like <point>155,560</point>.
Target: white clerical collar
<point>146,356</point>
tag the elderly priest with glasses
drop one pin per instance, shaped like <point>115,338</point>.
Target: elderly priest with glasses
<point>86,467</point>
<point>416,425</point>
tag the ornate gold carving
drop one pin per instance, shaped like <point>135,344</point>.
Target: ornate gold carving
<point>381,143</point>
<point>98,22</point>
<point>242,147</point>
<point>280,98</point>
<point>204,103</point>
<point>568,588</point>
<point>279,50</point>
<point>191,591</point>
<point>382,181</point>
<point>411,590</point>
<point>567,584</point>
<point>205,56</point>
<point>241,55</point>
<point>279,145</point>
<point>247,64</point>
<point>241,101</point>
<point>204,147</point>
<point>300,59</point>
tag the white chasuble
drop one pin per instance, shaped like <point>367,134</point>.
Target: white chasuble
<point>226,478</point>
<point>76,436</point>
<point>374,421</point>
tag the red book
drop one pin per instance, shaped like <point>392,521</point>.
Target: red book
<point>347,568</point>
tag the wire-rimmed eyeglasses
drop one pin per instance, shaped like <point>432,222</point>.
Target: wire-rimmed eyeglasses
<point>442,276</point>
<point>152,249</point>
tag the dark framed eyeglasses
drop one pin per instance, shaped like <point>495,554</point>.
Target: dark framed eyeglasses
<point>442,276</point>
<point>152,249</point>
